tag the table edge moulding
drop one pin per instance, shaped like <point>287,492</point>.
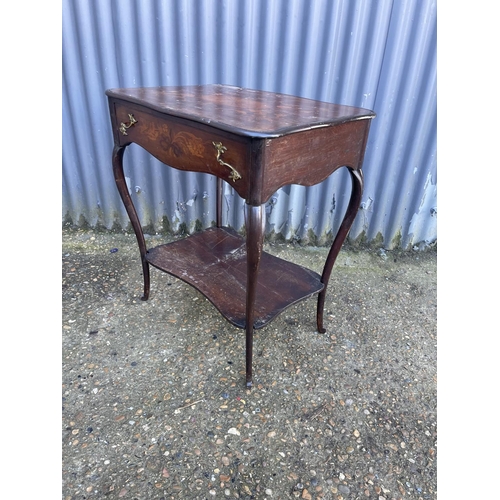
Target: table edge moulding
<point>257,142</point>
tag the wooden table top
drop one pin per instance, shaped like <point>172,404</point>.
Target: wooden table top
<point>246,112</point>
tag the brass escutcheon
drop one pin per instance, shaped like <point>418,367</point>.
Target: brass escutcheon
<point>234,175</point>
<point>125,126</point>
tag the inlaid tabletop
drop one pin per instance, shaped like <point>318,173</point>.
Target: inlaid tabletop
<point>248,112</point>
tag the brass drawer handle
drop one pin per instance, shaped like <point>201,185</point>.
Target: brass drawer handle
<point>234,175</point>
<point>125,126</point>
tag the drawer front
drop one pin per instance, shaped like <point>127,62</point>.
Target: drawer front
<point>185,145</point>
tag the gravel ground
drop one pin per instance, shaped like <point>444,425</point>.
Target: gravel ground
<point>154,399</point>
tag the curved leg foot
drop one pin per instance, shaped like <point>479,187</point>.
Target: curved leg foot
<point>350,215</point>
<point>147,281</point>
<point>134,219</point>
<point>320,308</point>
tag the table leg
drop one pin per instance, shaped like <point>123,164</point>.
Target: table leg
<point>254,239</point>
<point>218,208</point>
<point>350,215</point>
<point>129,207</point>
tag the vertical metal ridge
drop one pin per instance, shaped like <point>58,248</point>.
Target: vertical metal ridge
<point>378,55</point>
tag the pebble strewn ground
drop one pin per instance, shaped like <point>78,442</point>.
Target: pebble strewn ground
<point>154,403</point>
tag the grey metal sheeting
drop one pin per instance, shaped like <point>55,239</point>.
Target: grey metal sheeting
<point>379,55</point>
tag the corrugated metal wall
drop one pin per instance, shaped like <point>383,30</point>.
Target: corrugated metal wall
<point>377,54</point>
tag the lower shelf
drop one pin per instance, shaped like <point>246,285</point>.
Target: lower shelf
<point>214,262</point>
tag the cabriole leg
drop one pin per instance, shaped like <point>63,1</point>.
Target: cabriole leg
<point>129,207</point>
<point>350,215</point>
<point>254,228</point>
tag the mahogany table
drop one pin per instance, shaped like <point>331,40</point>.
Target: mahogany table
<point>257,142</point>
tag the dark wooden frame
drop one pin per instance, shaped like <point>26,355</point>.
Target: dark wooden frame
<point>271,140</point>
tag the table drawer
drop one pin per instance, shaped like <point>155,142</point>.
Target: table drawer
<point>185,145</point>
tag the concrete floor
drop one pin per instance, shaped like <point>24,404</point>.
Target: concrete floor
<point>154,399</point>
